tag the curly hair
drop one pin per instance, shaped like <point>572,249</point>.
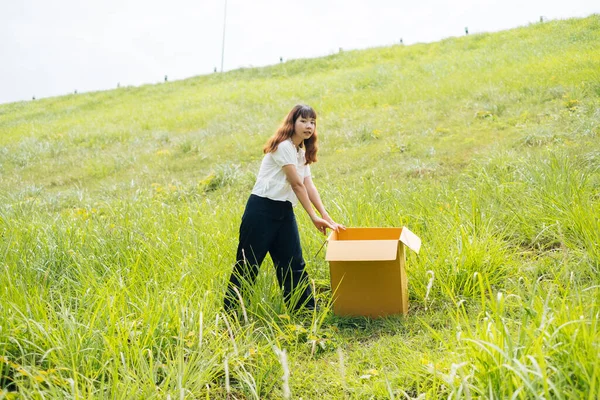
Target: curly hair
<point>286,130</point>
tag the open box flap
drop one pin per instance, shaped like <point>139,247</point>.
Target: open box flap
<point>362,250</point>
<point>411,240</point>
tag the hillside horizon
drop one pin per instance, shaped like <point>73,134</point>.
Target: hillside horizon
<point>249,66</point>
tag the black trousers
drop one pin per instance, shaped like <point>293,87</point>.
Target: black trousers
<point>269,226</point>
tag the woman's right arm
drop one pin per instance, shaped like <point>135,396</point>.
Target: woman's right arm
<point>300,190</point>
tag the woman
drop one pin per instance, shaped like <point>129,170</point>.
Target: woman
<point>268,224</point>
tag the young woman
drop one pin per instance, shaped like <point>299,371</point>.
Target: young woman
<point>268,224</point>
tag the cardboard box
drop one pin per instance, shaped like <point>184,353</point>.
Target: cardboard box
<point>367,266</point>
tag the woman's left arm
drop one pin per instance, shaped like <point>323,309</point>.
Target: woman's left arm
<point>315,199</point>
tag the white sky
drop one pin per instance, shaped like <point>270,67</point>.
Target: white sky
<point>53,47</point>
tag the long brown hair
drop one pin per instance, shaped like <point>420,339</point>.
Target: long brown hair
<point>286,130</point>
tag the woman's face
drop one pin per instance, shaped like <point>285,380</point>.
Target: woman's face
<point>304,127</point>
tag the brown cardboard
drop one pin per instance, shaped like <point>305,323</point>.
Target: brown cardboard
<point>367,266</point>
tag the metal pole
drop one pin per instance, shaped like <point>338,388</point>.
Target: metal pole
<point>223,46</point>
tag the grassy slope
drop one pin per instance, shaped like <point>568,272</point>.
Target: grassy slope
<point>120,209</point>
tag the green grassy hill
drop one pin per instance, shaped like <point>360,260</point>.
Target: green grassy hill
<point>119,213</point>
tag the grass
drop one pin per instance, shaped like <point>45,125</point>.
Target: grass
<point>119,213</point>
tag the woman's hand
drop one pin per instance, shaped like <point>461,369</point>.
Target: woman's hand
<point>326,222</point>
<point>336,226</point>
<point>322,224</point>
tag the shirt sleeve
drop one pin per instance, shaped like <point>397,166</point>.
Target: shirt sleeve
<point>285,154</point>
<point>307,171</point>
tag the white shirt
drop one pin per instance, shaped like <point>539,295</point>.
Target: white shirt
<point>271,181</point>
